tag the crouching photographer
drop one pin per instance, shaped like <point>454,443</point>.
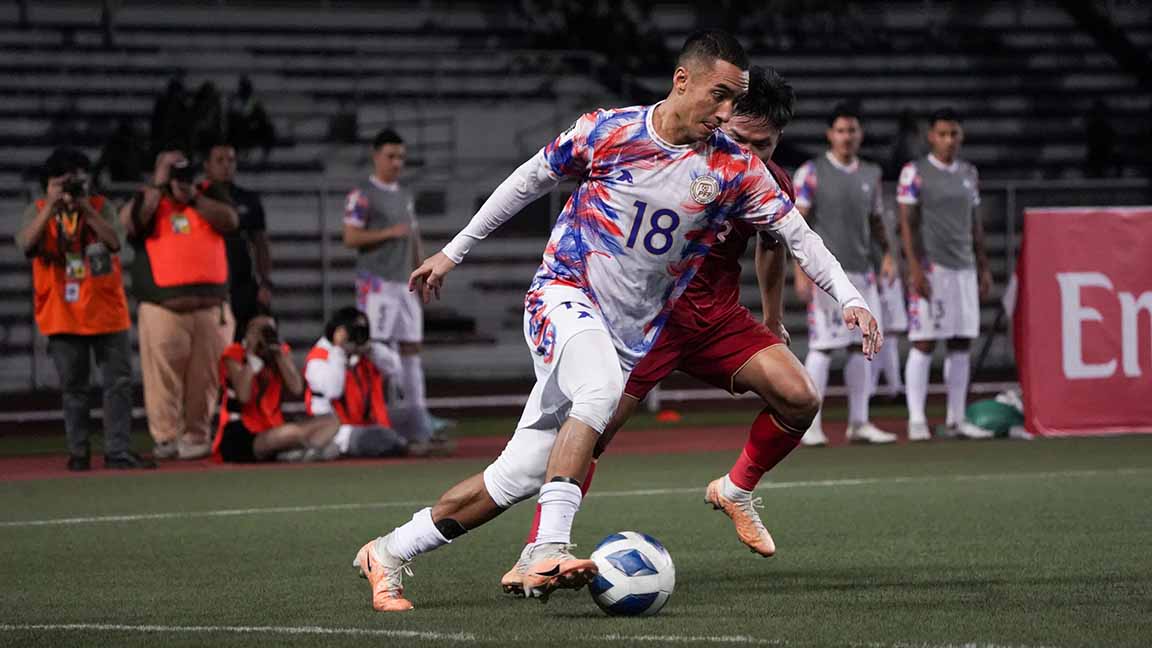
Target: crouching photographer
<point>254,374</point>
<point>71,238</point>
<point>347,381</point>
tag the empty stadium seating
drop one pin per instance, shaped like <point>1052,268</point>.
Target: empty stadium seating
<point>473,101</point>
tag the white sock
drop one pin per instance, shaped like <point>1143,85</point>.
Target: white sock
<point>856,378</point>
<point>916,384</point>
<point>733,492</point>
<point>417,536</point>
<point>559,502</point>
<point>343,438</point>
<point>412,381</point>
<point>957,370</point>
<point>817,364</point>
<point>889,364</point>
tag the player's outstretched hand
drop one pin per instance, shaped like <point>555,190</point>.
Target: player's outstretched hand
<point>429,277</point>
<point>854,316</point>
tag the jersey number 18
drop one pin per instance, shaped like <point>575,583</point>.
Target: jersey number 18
<point>661,224</point>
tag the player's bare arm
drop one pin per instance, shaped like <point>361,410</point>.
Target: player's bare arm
<point>771,264</point>
<point>913,250</point>
<point>880,237</point>
<point>984,272</point>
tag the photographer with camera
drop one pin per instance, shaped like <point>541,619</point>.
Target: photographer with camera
<point>78,296</point>
<point>347,377</point>
<point>255,372</point>
<point>180,277</point>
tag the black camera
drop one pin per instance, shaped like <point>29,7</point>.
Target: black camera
<point>358,334</point>
<point>75,187</point>
<point>183,171</point>
<point>270,336</point>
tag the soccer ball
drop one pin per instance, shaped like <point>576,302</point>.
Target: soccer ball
<point>636,574</point>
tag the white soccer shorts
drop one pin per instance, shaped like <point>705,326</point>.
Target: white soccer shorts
<point>394,313</point>
<point>953,311</point>
<point>826,327</point>
<point>893,308</point>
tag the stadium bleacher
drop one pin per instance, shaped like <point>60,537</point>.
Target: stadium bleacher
<point>473,99</point>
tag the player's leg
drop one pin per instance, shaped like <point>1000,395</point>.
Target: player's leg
<point>895,314</point>
<point>588,374</point>
<point>740,355</point>
<point>926,319</point>
<point>963,291</point>
<point>409,333</point>
<point>858,372</point>
<point>826,334</point>
<point>658,364</point>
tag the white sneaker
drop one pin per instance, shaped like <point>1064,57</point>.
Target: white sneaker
<point>190,450</point>
<point>868,433</point>
<point>1020,433</point>
<point>814,436</point>
<point>968,431</point>
<point>919,432</point>
<point>166,450</point>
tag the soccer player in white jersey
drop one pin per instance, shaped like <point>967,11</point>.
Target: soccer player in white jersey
<point>656,186</point>
<point>948,271</point>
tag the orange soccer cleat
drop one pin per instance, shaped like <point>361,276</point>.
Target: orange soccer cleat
<point>749,528</point>
<point>551,566</point>
<point>385,574</point>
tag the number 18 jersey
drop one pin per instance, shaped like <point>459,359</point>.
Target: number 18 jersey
<point>642,219</point>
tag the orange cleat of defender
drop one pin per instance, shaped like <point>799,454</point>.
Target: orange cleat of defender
<point>749,528</point>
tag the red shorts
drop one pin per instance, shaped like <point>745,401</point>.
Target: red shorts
<point>714,354</point>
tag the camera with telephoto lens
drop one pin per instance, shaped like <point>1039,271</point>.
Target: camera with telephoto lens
<point>75,187</point>
<point>358,334</point>
<point>270,336</point>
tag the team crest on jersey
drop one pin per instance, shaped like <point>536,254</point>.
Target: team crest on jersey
<point>705,189</point>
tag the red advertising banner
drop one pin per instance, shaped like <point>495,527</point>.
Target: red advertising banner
<point>1083,325</point>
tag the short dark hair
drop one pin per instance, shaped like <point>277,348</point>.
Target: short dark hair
<point>345,317</point>
<point>769,97</point>
<point>62,161</point>
<point>845,109</point>
<point>943,114</point>
<point>711,44</point>
<point>386,136</point>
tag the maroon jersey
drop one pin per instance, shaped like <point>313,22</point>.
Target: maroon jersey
<point>715,290</point>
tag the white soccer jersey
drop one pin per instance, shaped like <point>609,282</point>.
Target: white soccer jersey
<point>641,221</point>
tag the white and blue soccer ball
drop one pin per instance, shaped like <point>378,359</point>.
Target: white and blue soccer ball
<point>636,574</point>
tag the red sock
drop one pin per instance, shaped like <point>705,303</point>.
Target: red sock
<point>584,486</point>
<point>768,444</point>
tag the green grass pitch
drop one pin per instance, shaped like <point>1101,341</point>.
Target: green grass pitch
<point>942,544</point>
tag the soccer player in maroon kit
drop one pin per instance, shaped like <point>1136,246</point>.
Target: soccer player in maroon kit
<point>711,336</point>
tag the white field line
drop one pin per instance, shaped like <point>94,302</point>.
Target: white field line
<point>355,506</point>
<point>458,637</point>
<point>279,630</point>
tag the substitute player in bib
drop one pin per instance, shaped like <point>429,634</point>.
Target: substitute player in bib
<point>947,271</point>
<point>380,224</point>
<point>839,194</point>
<point>657,184</point>
<point>711,336</point>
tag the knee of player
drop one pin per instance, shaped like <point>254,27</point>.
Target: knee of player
<point>508,484</point>
<point>595,402</point>
<point>799,402</point>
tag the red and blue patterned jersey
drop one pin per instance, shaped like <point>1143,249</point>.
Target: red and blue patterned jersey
<point>644,217</point>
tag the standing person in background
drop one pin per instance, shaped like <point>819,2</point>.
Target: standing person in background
<point>840,195</point>
<point>948,271</point>
<point>380,224</point>
<point>180,277</point>
<point>70,236</point>
<point>249,260</point>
